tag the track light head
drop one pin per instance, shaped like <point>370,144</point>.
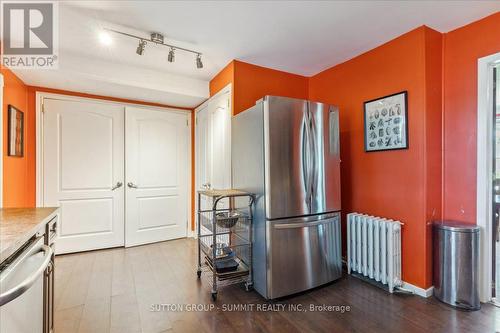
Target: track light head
<point>171,55</point>
<point>199,64</point>
<point>141,47</point>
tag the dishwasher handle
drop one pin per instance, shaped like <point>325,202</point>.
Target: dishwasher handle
<point>26,284</point>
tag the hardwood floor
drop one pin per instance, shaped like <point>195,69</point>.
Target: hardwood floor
<point>114,290</point>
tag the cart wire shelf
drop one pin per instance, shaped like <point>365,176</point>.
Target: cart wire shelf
<point>242,251</point>
<point>241,228</point>
<point>227,278</point>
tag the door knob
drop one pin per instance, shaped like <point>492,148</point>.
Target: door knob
<point>131,185</point>
<point>118,185</point>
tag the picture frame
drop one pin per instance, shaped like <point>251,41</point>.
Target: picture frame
<point>386,123</point>
<point>15,142</point>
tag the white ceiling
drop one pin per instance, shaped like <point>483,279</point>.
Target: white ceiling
<point>303,37</point>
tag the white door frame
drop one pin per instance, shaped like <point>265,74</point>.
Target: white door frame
<point>226,90</point>
<point>485,137</point>
<point>1,140</point>
<point>40,96</point>
<point>194,233</point>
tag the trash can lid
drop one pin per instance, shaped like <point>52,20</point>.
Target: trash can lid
<point>455,226</point>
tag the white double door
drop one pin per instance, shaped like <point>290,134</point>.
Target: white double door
<point>118,173</point>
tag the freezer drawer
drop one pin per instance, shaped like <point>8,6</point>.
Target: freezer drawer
<point>304,253</point>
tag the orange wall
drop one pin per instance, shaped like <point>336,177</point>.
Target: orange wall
<point>391,184</point>
<point>15,169</point>
<point>462,48</point>
<point>252,82</point>
<point>222,79</point>
<point>433,146</point>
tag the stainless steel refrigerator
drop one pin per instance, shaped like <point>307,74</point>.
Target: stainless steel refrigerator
<point>286,151</point>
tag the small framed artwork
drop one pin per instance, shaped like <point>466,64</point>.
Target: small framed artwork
<point>15,132</point>
<point>386,123</point>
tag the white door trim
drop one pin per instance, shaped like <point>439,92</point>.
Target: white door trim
<point>190,205</point>
<point>39,98</point>
<point>1,140</point>
<point>484,171</point>
<point>196,184</point>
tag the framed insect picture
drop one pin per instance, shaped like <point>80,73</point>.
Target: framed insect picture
<point>15,132</point>
<point>386,123</point>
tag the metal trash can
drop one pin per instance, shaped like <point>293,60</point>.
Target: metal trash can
<point>456,264</point>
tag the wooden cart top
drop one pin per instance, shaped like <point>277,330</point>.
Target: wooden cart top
<point>219,193</point>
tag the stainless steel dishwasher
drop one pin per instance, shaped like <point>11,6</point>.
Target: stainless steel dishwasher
<point>22,288</point>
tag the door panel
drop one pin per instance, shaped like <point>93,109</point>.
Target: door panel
<point>315,258</point>
<point>156,175</point>
<point>157,211</point>
<point>76,175</point>
<point>156,138</point>
<point>91,216</point>
<point>82,160</point>
<point>221,144</point>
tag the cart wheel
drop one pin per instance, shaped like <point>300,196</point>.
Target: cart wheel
<point>199,274</point>
<point>214,296</point>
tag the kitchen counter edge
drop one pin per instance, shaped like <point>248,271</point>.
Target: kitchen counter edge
<point>19,225</point>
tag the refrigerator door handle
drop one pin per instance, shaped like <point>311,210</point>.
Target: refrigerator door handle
<point>311,157</point>
<point>314,169</point>
<point>303,224</point>
<point>306,158</point>
<point>303,155</point>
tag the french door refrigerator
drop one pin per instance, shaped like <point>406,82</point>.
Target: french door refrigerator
<point>286,151</point>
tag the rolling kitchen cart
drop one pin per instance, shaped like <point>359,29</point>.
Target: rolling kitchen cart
<point>225,238</point>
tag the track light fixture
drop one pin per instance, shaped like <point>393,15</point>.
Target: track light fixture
<point>158,39</point>
<point>199,64</point>
<point>171,55</point>
<point>141,47</point>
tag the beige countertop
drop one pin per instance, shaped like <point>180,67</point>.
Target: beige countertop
<point>18,225</point>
